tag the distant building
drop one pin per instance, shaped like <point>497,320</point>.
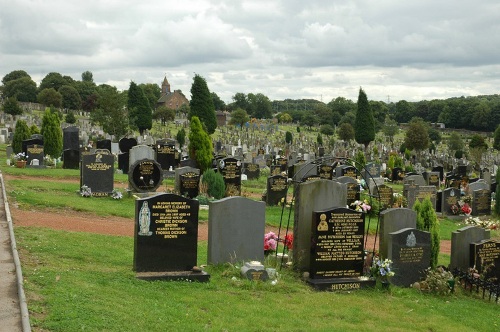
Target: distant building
<point>173,100</point>
<point>221,118</point>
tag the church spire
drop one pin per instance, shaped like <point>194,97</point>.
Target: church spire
<point>165,86</point>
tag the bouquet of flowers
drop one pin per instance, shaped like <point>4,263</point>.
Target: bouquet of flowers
<point>381,269</point>
<point>361,206</point>
<point>270,242</point>
<point>85,191</point>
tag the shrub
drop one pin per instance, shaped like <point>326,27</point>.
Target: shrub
<point>215,184</point>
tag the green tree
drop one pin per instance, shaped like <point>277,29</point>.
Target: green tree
<point>21,133</point>
<point>34,129</point>
<point>54,81</point>
<point>496,139</point>
<point>309,119</point>
<point>288,137</point>
<point>260,106</point>
<point>427,217</point>
<point>319,139</point>
<point>342,105</point>
<point>23,89</point>
<point>52,134</point>
<point>139,111</point>
<point>49,97</point>
<point>164,114</point>
<point>14,75</point>
<point>364,126</point>
<point>219,104</point>
<point>390,129</point>
<point>11,106</point>
<point>181,137</point>
<point>202,105</point>
<point>200,145</point>
<point>455,142</point>
<point>285,118</point>
<point>87,76</point>
<point>417,135</point>
<point>327,130</point>
<point>240,100</point>
<point>70,118</point>
<point>239,117</point>
<point>434,135</point>
<point>152,92</point>
<point>345,132</point>
<point>360,159</point>
<point>216,187</point>
<point>477,147</point>
<point>70,97</point>
<point>110,113</point>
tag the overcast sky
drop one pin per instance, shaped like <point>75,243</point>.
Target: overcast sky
<point>411,50</point>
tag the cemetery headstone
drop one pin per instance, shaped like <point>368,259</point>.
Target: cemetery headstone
<point>235,230</point>
<point>460,245</point>
<point>189,184</point>
<point>166,238</point>
<point>410,252</point>
<point>252,171</point>
<point>312,196</point>
<point>325,171</point>
<point>485,256</point>
<point>337,247</point>
<point>165,156</point>
<point>145,175</point>
<point>71,159</point>
<point>393,220</point>
<point>71,138</point>
<point>353,191</point>
<point>103,144</point>
<point>97,171</point>
<point>481,202</point>
<point>386,196</point>
<point>230,168</point>
<point>398,174</point>
<point>450,200</point>
<point>276,189</point>
<point>34,152</point>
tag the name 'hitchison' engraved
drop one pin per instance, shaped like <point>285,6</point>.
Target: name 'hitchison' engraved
<point>355,285</point>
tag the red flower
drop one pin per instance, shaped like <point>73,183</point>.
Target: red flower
<point>466,209</point>
<point>288,241</point>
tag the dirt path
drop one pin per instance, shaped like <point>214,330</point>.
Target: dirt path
<point>86,222</point>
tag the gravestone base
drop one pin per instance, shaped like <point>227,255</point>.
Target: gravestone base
<point>36,166</point>
<point>340,284</point>
<point>200,276</point>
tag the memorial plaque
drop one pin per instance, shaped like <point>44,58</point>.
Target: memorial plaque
<point>34,152</point>
<point>450,201</point>
<point>410,252</point>
<point>481,202</point>
<point>337,246</point>
<point>386,196</point>
<point>276,189</point>
<point>486,258</point>
<point>230,169</point>
<point>145,175</point>
<point>433,179</point>
<point>165,156</point>
<point>189,184</point>
<point>97,171</point>
<point>325,172</point>
<point>166,233</point>
<point>34,140</point>
<point>252,171</point>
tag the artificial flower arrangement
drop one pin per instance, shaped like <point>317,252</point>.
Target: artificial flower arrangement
<point>85,191</point>
<point>361,206</point>
<point>484,223</point>
<point>381,269</point>
<point>116,194</point>
<point>271,242</point>
<point>462,206</point>
<point>20,156</point>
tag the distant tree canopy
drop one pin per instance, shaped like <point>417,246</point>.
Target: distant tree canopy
<point>109,112</point>
<point>164,114</point>
<point>50,97</point>
<point>11,106</point>
<point>22,88</point>
<point>417,135</point>
<point>201,104</point>
<point>239,117</point>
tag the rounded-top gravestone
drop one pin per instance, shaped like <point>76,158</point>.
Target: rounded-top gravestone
<point>145,175</point>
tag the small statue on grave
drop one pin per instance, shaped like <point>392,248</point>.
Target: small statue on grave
<point>144,220</point>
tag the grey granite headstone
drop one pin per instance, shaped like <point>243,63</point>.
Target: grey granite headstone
<point>460,245</point>
<point>386,196</point>
<point>393,220</point>
<point>478,185</point>
<point>353,191</point>
<point>417,179</point>
<point>139,152</point>
<point>236,227</point>
<point>312,196</point>
<point>410,252</point>
<point>481,202</point>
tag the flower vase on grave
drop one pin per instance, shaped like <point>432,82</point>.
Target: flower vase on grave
<point>21,163</point>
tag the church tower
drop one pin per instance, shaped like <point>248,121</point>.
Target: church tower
<point>165,86</point>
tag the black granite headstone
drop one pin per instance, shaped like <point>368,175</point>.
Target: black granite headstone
<point>97,172</point>
<point>125,144</point>
<point>481,202</point>
<point>230,168</point>
<point>145,175</point>
<point>165,156</point>
<point>71,159</point>
<point>166,237</point>
<point>252,171</point>
<point>189,184</point>
<point>103,144</point>
<point>485,256</point>
<point>337,244</point>
<point>71,138</point>
<point>386,195</point>
<point>398,174</point>
<point>276,189</point>
<point>38,140</point>
<point>449,205</point>
<point>325,171</point>
<point>34,152</point>
<point>410,252</point>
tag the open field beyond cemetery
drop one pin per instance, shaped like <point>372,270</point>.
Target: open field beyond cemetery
<point>77,256</point>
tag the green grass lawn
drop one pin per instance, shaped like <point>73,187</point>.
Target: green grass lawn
<point>80,281</point>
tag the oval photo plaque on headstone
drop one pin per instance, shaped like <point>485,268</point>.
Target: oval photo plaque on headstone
<point>145,175</point>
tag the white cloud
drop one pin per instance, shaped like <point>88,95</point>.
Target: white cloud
<point>283,49</point>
